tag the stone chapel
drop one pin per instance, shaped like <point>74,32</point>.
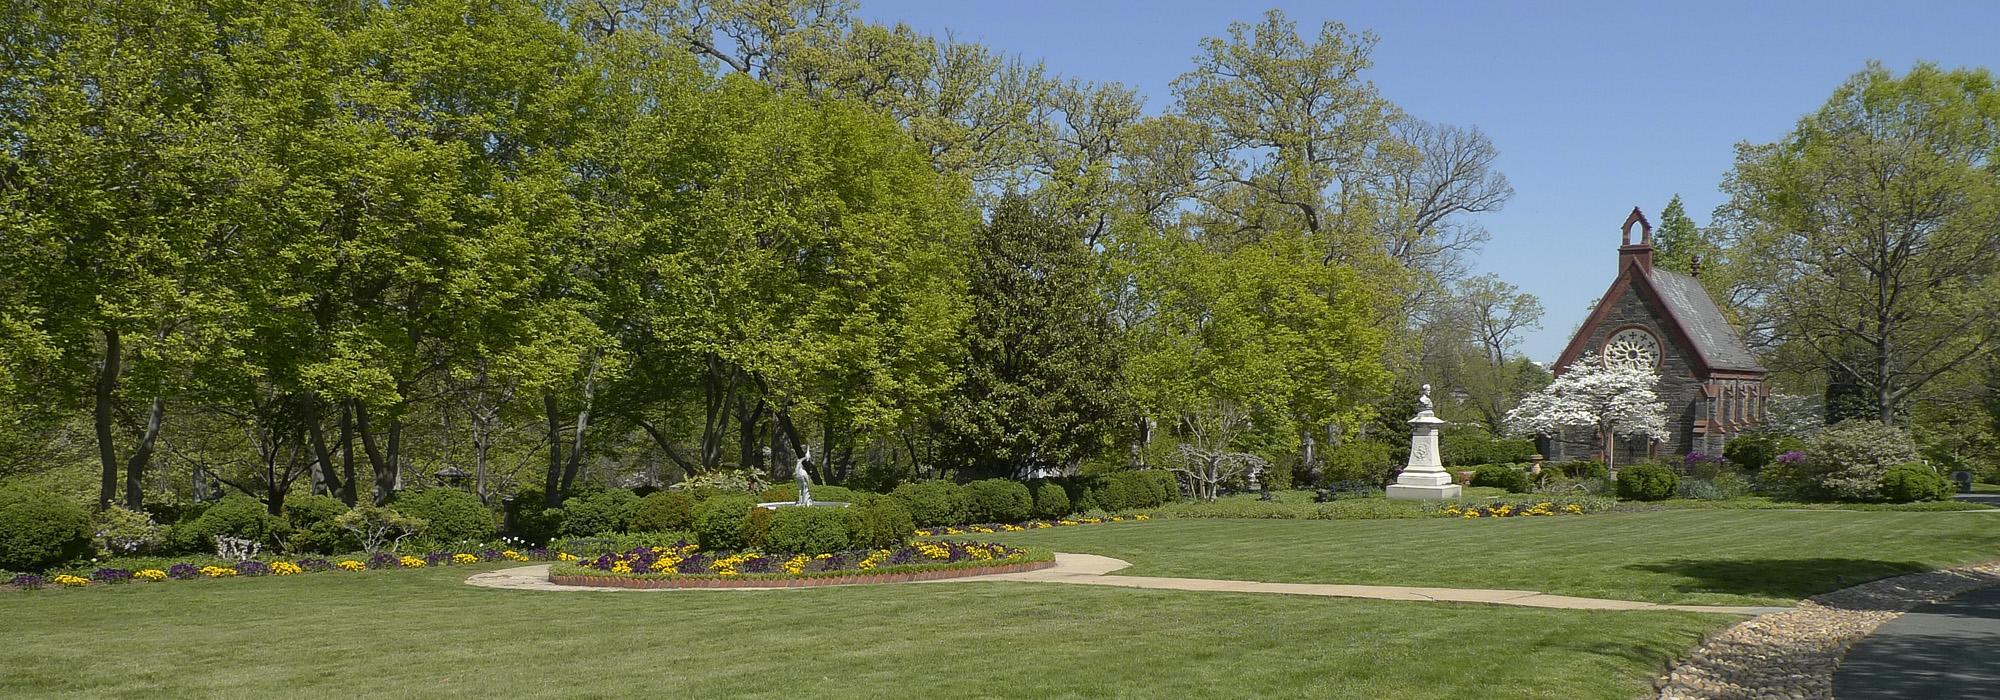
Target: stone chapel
<point>1713,387</point>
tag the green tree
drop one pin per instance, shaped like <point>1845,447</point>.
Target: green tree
<point>1038,385</point>
<point>1871,229</point>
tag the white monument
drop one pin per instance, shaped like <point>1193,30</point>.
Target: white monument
<point>1424,477</point>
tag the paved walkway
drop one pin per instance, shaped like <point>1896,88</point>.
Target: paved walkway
<point>1093,570</point>
<point>1947,649</point>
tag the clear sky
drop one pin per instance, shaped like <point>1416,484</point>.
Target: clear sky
<point>1595,107</point>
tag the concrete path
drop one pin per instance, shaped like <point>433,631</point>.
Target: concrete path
<point>1092,570</point>
<point>1947,649</point>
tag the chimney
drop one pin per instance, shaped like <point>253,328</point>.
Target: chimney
<point>1641,252</point>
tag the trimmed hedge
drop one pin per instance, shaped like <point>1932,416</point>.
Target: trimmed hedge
<point>724,523</point>
<point>999,501</point>
<point>882,523</point>
<point>1360,460</point>
<point>454,515</point>
<point>811,530</point>
<point>789,493</point>
<point>236,516</point>
<point>40,528</point>
<point>598,513</point>
<point>1506,476</point>
<point>1915,481</point>
<point>934,503</point>
<point>312,526</point>
<point>662,511</point>
<point>1647,482</point>
<point>1051,501</point>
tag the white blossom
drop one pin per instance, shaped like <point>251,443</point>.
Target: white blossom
<point>1611,400</point>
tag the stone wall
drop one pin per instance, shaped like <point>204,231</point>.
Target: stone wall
<point>1679,388</point>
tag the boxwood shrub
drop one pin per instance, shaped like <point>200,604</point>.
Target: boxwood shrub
<point>882,523</point>
<point>39,528</point>
<point>724,523</point>
<point>789,493</point>
<point>1915,481</point>
<point>812,530</point>
<point>1646,482</point>
<point>1506,476</point>
<point>999,501</point>
<point>934,503</point>
<point>237,516</point>
<point>662,511</point>
<point>601,512</point>
<point>454,515</point>
<point>1051,501</point>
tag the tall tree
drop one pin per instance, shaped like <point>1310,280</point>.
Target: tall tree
<point>1872,227</point>
<point>1037,388</point>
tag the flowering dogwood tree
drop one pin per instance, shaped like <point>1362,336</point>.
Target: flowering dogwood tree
<point>1613,399</point>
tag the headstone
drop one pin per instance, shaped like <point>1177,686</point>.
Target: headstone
<point>1964,481</point>
<point>1424,478</point>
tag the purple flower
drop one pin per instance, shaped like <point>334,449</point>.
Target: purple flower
<point>29,581</point>
<point>1696,458</point>
<point>252,567</point>
<point>489,554</point>
<point>1792,457</point>
<point>111,575</point>
<point>183,571</point>
<point>759,565</point>
<point>437,558</point>
<point>541,554</point>
<point>697,564</point>
<point>383,560</point>
<point>314,564</point>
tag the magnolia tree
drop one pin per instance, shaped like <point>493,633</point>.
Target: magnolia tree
<point>1613,400</point>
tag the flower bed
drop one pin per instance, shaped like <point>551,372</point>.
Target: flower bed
<point>1520,507</point>
<point>212,568</point>
<point>990,528</point>
<point>683,566</point>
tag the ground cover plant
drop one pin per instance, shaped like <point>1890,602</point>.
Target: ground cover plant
<point>1734,557</point>
<point>684,560</point>
<point>1033,641</point>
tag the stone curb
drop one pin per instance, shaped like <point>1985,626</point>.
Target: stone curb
<point>1793,653</point>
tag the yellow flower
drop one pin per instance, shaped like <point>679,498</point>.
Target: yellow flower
<point>217,572</point>
<point>982,529</point>
<point>150,574</point>
<point>923,533</point>
<point>1472,512</point>
<point>565,556</point>
<point>1573,509</point>
<point>933,550</point>
<point>1142,516</point>
<point>513,555</point>
<point>1117,519</point>
<point>349,565</point>
<point>72,581</point>
<point>796,564</point>
<point>874,559</point>
<point>410,562</point>
<point>285,568</point>
<point>1012,528</point>
<point>463,558</point>
<point>621,568</point>
<point>1039,525</point>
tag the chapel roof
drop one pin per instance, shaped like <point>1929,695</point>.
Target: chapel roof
<point>1702,320</point>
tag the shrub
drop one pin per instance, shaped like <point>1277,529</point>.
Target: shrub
<point>603,512</point>
<point>1503,476</point>
<point>1646,482</point>
<point>1731,484</point>
<point>241,517</point>
<point>379,529</point>
<point>812,530</point>
<point>120,531</point>
<point>453,515</point>
<point>1472,449</point>
<point>529,519</point>
<point>1756,450</point>
<point>1170,485</point>
<point>934,503</point>
<point>999,500</point>
<point>1051,501</point>
<point>882,523</point>
<point>1700,490</point>
<point>1911,482</point>
<point>1127,490</point>
<point>662,511</point>
<point>706,486</point>
<point>724,522</point>
<point>312,525</point>
<point>1581,469</point>
<point>789,493</point>
<point>1846,462</point>
<point>39,528</point>
<point>1358,460</point>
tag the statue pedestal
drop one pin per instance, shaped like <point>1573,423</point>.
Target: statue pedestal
<point>1424,478</point>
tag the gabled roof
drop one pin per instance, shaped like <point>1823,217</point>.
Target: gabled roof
<point>1689,314</point>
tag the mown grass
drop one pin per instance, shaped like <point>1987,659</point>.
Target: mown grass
<point>423,633</point>
<point>1726,557</point>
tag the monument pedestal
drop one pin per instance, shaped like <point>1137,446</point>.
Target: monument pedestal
<point>1424,478</point>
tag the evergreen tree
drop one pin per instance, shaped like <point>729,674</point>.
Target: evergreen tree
<point>1677,241</point>
<point>1038,384</point>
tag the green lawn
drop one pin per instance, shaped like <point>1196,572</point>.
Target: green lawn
<point>1727,557</point>
<point>426,634</point>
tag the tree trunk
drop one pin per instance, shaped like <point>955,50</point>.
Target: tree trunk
<point>385,470</point>
<point>135,468</point>
<point>552,481</point>
<point>325,480</point>
<point>348,494</point>
<point>107,388</point>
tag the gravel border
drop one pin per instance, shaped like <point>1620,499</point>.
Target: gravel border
<point>1793,654</point>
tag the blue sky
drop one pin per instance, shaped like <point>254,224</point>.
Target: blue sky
<point>1595,107</point>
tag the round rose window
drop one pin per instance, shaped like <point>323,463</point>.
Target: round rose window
<point>1632,347</point>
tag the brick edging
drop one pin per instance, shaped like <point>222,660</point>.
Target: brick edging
<point>655,583</point>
